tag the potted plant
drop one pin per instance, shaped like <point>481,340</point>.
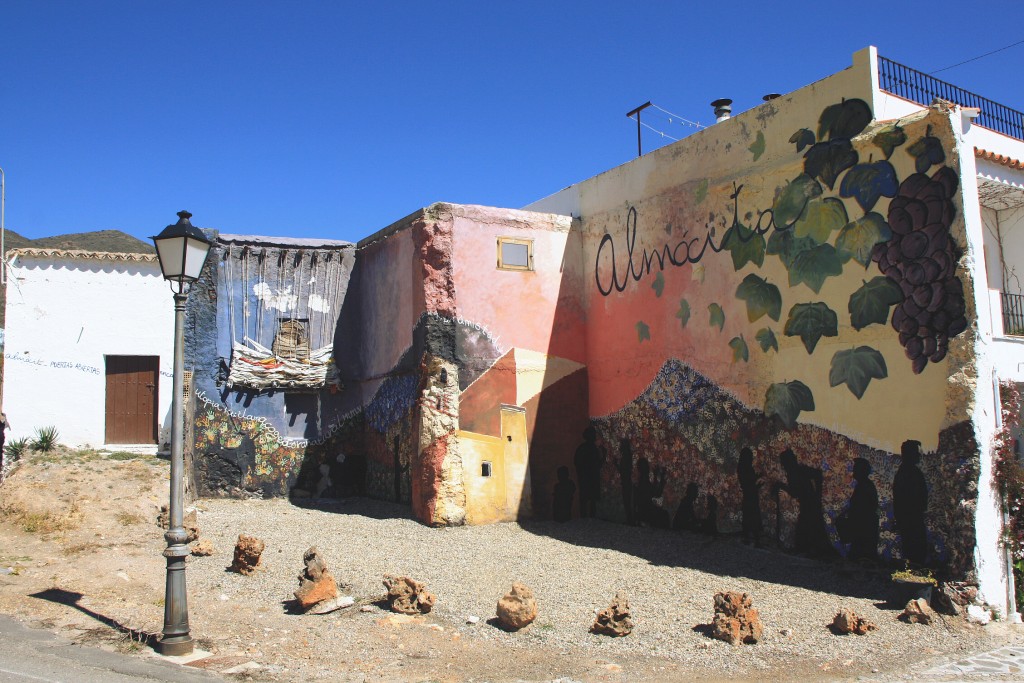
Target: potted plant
<point>914,583</point>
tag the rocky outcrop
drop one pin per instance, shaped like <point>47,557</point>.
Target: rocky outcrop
<point>517,608</point>
<point>316,585</point>
<point>847,621</point>
<point>247,557</point>
<point>736,621</point>
<point>614,620</point>
<point>918,611</point>
<point>408,596</point>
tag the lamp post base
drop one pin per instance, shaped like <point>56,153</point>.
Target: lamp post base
<point>175,646</point>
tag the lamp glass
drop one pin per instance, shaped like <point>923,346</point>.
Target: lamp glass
<point>171,251</point>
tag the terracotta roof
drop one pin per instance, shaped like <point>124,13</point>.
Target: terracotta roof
<point>79,254</point>
<point>1001,159</point>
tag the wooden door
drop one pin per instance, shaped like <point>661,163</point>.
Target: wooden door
<point>131,404</point>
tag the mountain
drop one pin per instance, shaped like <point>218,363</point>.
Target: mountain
<point>99,240</point>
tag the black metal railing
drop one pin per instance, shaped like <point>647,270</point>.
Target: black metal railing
<point>921,88</point>
<point>1013,314</point>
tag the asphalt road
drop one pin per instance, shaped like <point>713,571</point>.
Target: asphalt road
<point>36,656</point>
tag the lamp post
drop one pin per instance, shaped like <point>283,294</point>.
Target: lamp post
<point>182,249</point>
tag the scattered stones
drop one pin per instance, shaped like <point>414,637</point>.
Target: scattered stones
<point>408,596</point>
<point>202,548</point>
<point>248,550</point>
<point>316,584</point>
<point>736,621</point>
<point>327,606</point>
<point>918,611</point>
<point>518,608</point>
<point>190,522</point>
<point>614,620</point>
<point>847,621</point>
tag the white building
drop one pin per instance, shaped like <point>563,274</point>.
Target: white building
<point>89,347</point>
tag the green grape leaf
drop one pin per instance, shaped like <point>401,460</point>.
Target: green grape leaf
<point>814,266</point>
<point>889,138</point>
<point>761,296</point>
<point>684,312</point>
<point>787,245</point>
<point>643,331</point>
<point>858,237</point>
<point>745,245</point>
<point>757,147</point>
<point>786,400</point>
<point>791,200</point>
<point>659,284</point>
<point>826,160</point>
<point>716,316</point>
<point>871,303</point>
<point>821,218</point>
<point>867,182</point>
<point>701,192</point>
<point>802,138</point>
<point>856,368</point>
<point>926,152</point>
<point>811,322</point>
<point>766,338</point>
<point>844,120</point>
<point>740,352</point>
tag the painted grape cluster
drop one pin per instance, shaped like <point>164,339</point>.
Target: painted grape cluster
<point>921,257</point>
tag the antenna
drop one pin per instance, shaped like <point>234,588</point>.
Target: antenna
<point>639,150</point>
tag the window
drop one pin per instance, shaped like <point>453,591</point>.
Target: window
<point>515,254</point>
<point>485,469</point>
<point>292,339</point>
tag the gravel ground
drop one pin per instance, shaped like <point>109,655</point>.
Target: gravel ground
<point>96,575</point>
<point>574,570</point>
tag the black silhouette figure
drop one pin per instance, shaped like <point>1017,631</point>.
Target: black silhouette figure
<point>803,484</point>
<point>858,525</point>
<point>685,519</point>
<point>626,479</point>
<point>588,460</point>
<point>648,513</point>
<point>750,483</point>
<point>909,502</point>
<point>561,509</point>
<point>709,525</point>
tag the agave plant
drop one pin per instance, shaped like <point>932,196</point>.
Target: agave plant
<point>16,448</point>
<point>46,439</point>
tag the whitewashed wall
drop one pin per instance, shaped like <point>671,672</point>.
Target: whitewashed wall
<point>65,313</point>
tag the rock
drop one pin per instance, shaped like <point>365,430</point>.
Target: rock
<point>190,522</point>
<point>472,620</point>
<point>918,611</point>
<point>736,621</point>
<point>518,608</point>
<point>202,548</point>
<point>978,615</point>
<point>848,621</point>
<point>614,620</point>
<point>326,606</point>
<point>946,600</point>
<point>366,608</point>
<point>248,550</point>
<point>408,596</point>
<point>316,584</point>
<point>786,632</point>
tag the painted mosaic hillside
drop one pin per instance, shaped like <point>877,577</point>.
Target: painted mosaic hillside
<point>672,459</point>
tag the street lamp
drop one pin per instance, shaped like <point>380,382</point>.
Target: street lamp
<point>182,249</point>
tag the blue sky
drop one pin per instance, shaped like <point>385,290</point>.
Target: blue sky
<point>334,119</point>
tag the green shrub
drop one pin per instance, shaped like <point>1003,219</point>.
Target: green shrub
<point>16,448</point>
<point>46,439</point>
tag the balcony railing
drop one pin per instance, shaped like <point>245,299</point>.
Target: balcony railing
<point>921,88</point>
<point>1013,314</point>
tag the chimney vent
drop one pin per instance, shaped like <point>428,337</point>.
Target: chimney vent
<point>723,109</point>
<point>771,96</point>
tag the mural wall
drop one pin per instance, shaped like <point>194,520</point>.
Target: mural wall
<point>777,338</point>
